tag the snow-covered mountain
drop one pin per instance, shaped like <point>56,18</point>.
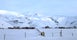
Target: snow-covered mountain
<point>67,21</point>
<point>4,24</point>
<point>36,20</point>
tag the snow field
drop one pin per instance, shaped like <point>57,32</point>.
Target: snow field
<point>33,34</point>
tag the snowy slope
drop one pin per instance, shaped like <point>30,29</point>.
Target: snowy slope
<point>4,24</point>
<point>9,16</point>
<point>36,20</point>
<point>67,21</point>
<point>8,19</point>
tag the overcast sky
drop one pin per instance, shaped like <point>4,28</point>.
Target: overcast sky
<point>46,7</point>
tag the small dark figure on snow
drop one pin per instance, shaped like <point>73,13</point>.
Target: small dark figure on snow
<point>42,34</point>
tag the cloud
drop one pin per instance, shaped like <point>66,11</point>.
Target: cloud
<point>3,11</point>
<point>10,13</point>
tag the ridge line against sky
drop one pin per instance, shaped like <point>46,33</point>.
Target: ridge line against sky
<point>46,7</point>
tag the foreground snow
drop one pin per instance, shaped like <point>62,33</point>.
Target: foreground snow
<point>33,34</point>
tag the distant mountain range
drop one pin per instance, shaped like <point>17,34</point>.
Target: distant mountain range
<point>8,19</point>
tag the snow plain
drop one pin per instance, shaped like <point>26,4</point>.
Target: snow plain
<point>33,34</point>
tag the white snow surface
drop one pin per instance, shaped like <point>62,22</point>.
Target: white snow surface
<point>33,34</point>
<point>4,24</point>
<point>36,20</point>
<point>10,19</point>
